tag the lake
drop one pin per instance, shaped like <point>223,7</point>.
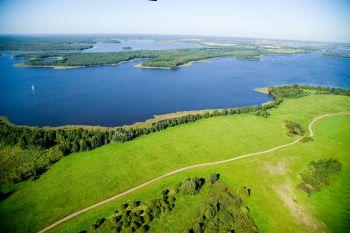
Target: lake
<point>140,44</point>
<point>122,94</point>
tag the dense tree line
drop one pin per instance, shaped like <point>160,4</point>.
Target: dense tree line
<point>67,140</point>
<point>33,43</point>
<point>296,91</point>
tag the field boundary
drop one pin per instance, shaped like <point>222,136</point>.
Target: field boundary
<point>117,196</point>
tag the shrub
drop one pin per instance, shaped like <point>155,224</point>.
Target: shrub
<point>5,194</point>
<point>307,139</point>
<point>135,204</point>
<point>318,175</point>
<point>98,223</point>
<point>177,187</point>
<point>171,199</point>
<point>213,178</point>
<point>165,192</point>
<point>226,213</point>
<point>293,128</point>
<point>145,228</point>
<point>262,113</point>
<point>245,192</point>
<point>124,206</point>
<point>191,185</point>
<point>212,211</point>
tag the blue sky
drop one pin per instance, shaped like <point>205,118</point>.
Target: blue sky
<point>324,20</point>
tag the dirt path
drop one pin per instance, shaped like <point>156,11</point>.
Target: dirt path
<point>311,134</point>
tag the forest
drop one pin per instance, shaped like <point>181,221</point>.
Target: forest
<point>151,58</point>
<point>37,43</point>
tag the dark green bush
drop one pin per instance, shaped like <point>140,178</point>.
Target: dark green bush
<point>212,210</point>
<point>224,214</point>
<point>135,204</point>
<point>307,139</point>
<point>213,178</point>
<point>191,186</point>
<point>262,113</point>
<point>124,205</point>
<point>293,128</point>
<point>318,175</point>
<point>98,223</point>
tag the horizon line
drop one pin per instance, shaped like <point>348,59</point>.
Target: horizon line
<point>167,34</point>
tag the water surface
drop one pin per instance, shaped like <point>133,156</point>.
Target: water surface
<point>141,44</point>
<point>123,94</point>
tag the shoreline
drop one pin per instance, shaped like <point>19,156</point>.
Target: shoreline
<point>151,67</point>
<point>263,90</point>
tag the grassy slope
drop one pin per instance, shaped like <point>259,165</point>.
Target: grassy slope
<point>85,178</point>
<point>261,174</point>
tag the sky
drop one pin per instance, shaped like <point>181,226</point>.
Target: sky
<point>320,20</point>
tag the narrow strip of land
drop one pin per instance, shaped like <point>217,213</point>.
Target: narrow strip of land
<point>311,134</point>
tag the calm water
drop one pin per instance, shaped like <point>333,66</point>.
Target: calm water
<point>123,94</point>
<point>138,44</point>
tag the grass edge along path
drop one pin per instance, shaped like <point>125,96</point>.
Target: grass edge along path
<point>311,134</point>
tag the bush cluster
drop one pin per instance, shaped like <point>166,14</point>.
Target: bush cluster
<point>293,128</point>
<point>318,175</point>
<point>191,186</point>
<point>137,216</point>
<point>214,177</point>
<point>262,113</point>
<point>225,212</point>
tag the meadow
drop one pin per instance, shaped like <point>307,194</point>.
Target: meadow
<point>85,178</point>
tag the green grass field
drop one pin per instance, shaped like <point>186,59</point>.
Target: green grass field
<point>85,178</point>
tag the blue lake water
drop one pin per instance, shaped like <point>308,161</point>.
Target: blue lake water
<point>141,44</point>
<point>123,94</point>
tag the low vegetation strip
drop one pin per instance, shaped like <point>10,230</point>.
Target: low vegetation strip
<point>311,133</point>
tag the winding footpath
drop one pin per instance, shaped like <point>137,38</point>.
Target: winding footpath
<point>311,134</point>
